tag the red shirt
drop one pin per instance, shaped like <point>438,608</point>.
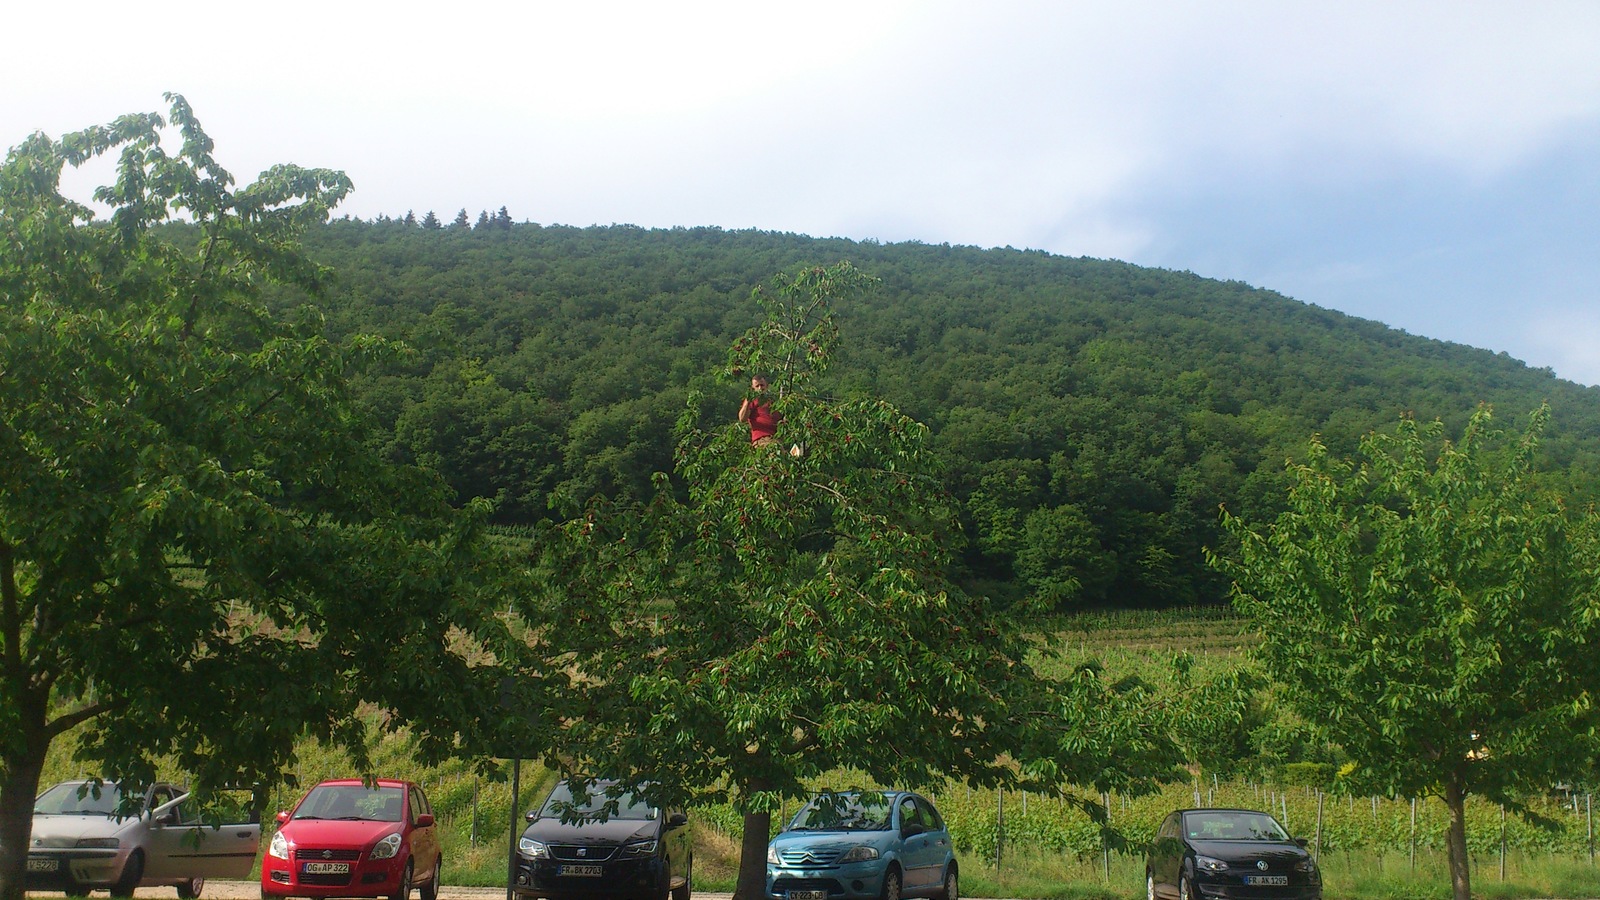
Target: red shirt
<point>763,424</point>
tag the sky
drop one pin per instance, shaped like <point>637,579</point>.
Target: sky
<point>1434,166</point>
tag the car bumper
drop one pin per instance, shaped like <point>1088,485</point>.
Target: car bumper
<point>61,869</point>
<point>1233,889</point>
<point>849,881</point>
<point>631,878</point>
<point>366,878</point>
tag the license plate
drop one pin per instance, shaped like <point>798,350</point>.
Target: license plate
<point>319,868</point>
<point>808,895</point>
<point>1278,880</point>
<point>587,871</point>
<point>42,864</point>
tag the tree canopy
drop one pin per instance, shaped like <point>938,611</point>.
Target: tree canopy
<point>204,555</point>
<point>1436,609</point>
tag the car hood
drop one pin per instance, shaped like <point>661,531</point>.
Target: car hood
<point>551,830</point>
<point>831,840</point>
<point>1250,851</point>
<point>337,832</point>
<point>64,831</point>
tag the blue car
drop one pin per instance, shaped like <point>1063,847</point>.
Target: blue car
<point>868,845</point>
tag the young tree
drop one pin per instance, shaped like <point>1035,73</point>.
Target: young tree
<point>783,611</point>
<point>202,555</point>
<point>1437,610</point>
<point>431,222</point>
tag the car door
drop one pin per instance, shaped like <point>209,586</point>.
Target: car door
<point>1166,857</point>
<point>424,838</point>
<point>921,852</point>
<point>183,844</point>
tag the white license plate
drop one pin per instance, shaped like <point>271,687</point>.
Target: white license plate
<point>1278,880</point>
<point>316,868</point>
<point>586,871</point>
<point>43,864</point>
<point>808,895</point>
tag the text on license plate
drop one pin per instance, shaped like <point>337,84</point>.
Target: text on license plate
<point>590,871</point>
<point>1266,879</point>
<point>326,868</point>
<point>808,895</point>
<point>42,864</point>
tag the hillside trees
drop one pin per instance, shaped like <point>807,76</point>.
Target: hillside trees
<point>772,615</point>
<point>1437,609</point>
<point>202,556</point>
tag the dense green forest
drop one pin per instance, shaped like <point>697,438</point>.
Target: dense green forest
<point>1091,415</point>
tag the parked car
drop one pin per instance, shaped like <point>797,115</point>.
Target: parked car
<point>603,841</point>
<point>887,845</point>
<point>1229,852</point>
<point>89,835</point>
<point>345,839</point>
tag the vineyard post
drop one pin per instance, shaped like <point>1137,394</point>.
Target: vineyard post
<point>1284,799</point>
<point>1413,834</point>
<point>473,838</point>
<point>999,827</point>
<point>1316,851</point>
<point>1588,807</point>
<point>1105,838</point>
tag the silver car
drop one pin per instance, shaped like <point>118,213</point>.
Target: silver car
<point>85,837</point>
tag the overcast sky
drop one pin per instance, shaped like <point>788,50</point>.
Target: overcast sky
<point>1433,166</point>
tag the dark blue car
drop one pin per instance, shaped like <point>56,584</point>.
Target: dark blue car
<point>863,846</point>
<point>1210,854</point>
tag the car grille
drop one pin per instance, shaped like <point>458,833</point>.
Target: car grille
<point>782,886</point>
<point>585,853</point>
<point>306,854</point>
<point>325,880</point>
<point>809,857</point>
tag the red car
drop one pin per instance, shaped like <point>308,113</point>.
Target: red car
<point>344,839</point>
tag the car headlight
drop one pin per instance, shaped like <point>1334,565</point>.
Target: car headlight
<point>386,848</point>
<point>772,855</point>
<point>859,854</point>
<point>98,843</point>
<point>1306,865</point>
<point>639,848</point>
<point>1208,864</point>
<point>533,849</point>
<point>279,848</point>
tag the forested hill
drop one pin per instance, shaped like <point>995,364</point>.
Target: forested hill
<point>1093,414</point>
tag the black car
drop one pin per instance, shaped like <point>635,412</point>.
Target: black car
<point>603,842</point>
<point>1233,853</point>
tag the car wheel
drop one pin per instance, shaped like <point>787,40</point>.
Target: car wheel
<point>1149,886</point>
<point>189,890</point>
<point>402,891</point>
<point>891,885</point>
<point>132,873</point>
<point>430,888</point>
<point>683,891</point>
<point>952,890</point>
<point>1185,889</point>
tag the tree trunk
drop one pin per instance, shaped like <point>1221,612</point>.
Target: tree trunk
<point>1455,799</point>
<point>19,784</point>
<point>752,884</point>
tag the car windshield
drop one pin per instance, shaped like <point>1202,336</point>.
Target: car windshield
<point>1233,826</point>
<point>353,802</point>
<point>63,800</point>
<point>561,804</point>
<point>844,812</point>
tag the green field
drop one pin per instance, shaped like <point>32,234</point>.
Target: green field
<point>1037,846</point>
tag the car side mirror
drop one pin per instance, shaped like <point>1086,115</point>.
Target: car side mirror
<point>282,816</point>
<point>424,820</point>
<point>1303,842</point>
<point>677,820</point>
<point>530,815</point>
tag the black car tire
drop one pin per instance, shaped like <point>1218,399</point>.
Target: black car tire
<point>402,891</point>
<point>430,888</point>
<point>891,885</point>
<point>683,891</point>
<point>132,873</point>
<point>189,890</point>
<point>1185,889</point>
<point>952,885</point>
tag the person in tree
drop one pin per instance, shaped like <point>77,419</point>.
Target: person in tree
<point>756,412</point>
